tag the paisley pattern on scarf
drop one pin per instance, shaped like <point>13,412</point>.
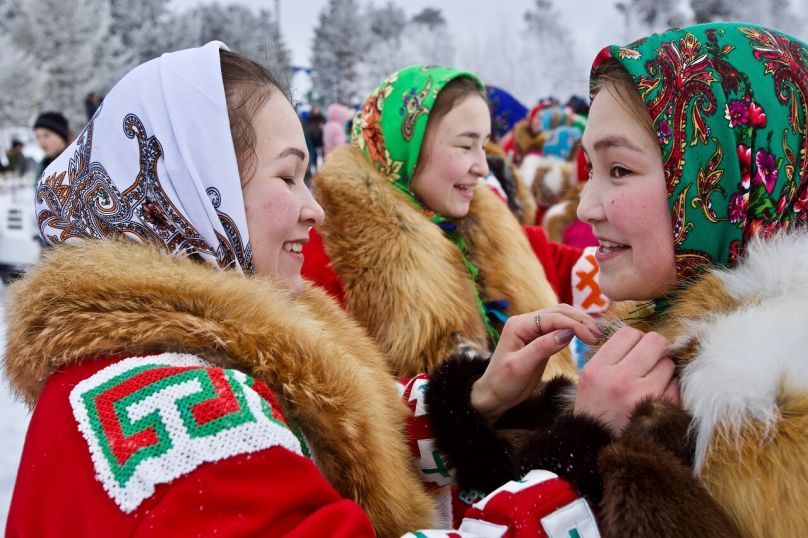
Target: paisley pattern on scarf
<point>729,104</point>
<point>83,202</point>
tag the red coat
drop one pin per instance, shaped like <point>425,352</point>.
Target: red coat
<point>557,260</point>
<point>271,491</point>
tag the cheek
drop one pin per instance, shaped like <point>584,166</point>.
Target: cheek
<point>454,169</point>
<point>270,215</point>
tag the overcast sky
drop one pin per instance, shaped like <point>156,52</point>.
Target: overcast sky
<point>595,22</point>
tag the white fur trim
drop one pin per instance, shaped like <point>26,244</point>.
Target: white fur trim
<point>530,163</point>
<point>748,355</point>
<point>556,210</point>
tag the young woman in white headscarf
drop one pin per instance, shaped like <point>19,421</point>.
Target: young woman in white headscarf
<point>182,378</point>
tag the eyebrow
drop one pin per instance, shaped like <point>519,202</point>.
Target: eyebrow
<point>615,141</point>
<point>294,152</point>
<point>473,135</point>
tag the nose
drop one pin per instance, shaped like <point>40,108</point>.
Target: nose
<point>311,213</point>
<point>480,166</point>
<point>590,208</point>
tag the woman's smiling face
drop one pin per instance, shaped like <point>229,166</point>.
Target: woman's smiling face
<point>626,202</point>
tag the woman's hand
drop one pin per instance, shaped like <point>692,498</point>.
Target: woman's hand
<point>519,360</point>
<point>629,368</point>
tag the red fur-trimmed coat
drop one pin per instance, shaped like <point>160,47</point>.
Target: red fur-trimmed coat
<point>103,334</point>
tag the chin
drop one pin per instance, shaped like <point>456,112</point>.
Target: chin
<point>457,212</point>
<point>294,284</point>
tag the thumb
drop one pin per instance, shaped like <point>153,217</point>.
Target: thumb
<point>535,355</point>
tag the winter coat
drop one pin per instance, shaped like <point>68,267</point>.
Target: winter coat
<point>102,329</point>
<point>405,281</point>
<point>334,131</point>
<point>731,463</point>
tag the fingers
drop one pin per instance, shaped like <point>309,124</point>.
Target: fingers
<point>618,346</point>
<point>672,393</point>
<point>523,329</point>
<point>646,354</point>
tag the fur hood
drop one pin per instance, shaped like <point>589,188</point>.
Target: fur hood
<point>740,338</point>
<point>406,282</point>
<point>103,299</point>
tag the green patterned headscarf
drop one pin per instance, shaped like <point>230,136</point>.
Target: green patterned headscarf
<point>729,104</point>
<point>389,130</point>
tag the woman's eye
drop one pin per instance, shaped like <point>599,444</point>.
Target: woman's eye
<point>290,181</point>
<point>618,171</point>
<point>467,148</point>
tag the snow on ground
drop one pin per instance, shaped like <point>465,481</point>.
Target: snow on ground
<point>13,424</point>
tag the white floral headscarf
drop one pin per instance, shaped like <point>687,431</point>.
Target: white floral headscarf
<point>155,163</point>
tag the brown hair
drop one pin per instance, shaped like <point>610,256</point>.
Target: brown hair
<point>618,82</point>
<point>247,86</point>
<point>455,91</point>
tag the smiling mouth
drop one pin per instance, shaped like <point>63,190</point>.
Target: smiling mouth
<point>293,246</point>
<point>609,249</point>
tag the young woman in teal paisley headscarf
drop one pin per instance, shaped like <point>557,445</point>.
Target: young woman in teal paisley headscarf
<point>699,197</point>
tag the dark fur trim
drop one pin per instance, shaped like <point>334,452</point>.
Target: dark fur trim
<point>483,461</point>
<point>569,448</point>
<point>649,492</point>
<point>502,171</point>
<point>540,410</point>
<point>665,425</point>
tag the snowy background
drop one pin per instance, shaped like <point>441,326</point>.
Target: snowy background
<point>13,423</point>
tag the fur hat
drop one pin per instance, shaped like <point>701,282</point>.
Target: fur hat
<point>53,121</point>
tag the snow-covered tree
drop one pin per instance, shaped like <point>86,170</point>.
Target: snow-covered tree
<point>20,84</point>
<point>141,29</point>
<point>713,10</point>
<point>65,40</point>
<point>382,56</point>
<point>338,47</point>
<point>396,42</point>
<point>550,53</point>
<point>778,14</point>
<point>428,39</point>
<point>255,35</point>
<point>642,17</point>
<point>430,17</point>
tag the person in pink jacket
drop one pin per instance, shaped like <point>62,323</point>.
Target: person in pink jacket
<point>334,130</point>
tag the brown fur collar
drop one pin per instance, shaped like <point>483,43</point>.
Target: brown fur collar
<point>406,281</point>
<point>525,140</point>
<point>100,299</point>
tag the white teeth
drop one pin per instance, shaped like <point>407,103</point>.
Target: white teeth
<point>293,247</point>
<point>609,244</point>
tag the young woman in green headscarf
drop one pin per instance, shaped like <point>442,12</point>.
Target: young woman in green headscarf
<point>424,255</point>
<point>699,197</point>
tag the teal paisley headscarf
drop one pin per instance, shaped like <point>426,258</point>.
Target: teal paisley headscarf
<point>389,131</point>
<point>729,104</point>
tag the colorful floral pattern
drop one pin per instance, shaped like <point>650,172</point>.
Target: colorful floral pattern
<point>729,103</point>
<point>389,129</point>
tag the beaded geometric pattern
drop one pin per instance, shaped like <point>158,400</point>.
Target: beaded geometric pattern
<point>149,420</point>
